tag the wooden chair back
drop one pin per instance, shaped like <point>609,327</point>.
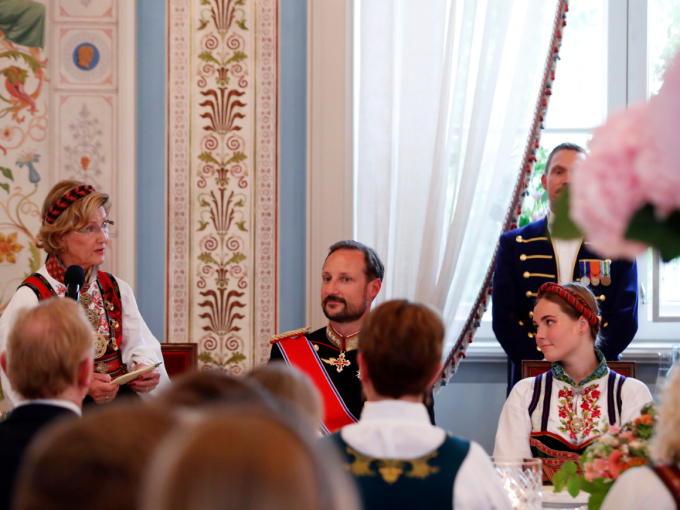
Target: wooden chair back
<point>179,358</point>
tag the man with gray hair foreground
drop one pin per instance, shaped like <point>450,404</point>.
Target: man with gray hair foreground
<point>48,361</point>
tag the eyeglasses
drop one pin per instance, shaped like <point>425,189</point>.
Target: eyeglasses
<point>93,230</point>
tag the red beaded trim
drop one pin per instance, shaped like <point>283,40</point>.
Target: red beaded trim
<point>70,197</point>
<point>573,299</point>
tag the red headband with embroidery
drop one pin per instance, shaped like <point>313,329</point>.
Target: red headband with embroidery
<point>70,197</point>
<point>576,301</point>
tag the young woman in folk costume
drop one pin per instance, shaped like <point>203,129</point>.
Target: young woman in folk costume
<point>75,232</point>
<point>556,415</point>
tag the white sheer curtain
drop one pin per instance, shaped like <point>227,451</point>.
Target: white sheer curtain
<point>445,92</point>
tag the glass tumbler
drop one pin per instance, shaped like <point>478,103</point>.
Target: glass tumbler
<point>523,481</point>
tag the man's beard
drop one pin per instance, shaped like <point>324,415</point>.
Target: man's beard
<point>346,314</point>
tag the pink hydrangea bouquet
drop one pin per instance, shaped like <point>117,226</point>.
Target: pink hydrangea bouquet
<point>626,195</point>
<point>612,453</point>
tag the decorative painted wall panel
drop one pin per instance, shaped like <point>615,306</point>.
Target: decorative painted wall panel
<point>222,180</point>
<point>59,111</point>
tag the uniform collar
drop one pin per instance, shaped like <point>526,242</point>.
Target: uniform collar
<point>344,343</point>
<point>600,371</point>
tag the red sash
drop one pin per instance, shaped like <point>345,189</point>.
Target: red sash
<point>299,352</point>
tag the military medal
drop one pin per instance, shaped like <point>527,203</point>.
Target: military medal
<point>577,425</point>
<point>606,271</point>
<point>585,272</point>
<point>585,280</point>
<point>339,363</point>
<point>595,272</point>
<point>99,345</point>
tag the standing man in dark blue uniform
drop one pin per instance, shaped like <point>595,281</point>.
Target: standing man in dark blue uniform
<point>529,256</point>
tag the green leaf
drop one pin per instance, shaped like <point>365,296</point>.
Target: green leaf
<point>242,24</point>
<point>559,480</point>
<point>237,357</point>
<point>238,56</point>
<point>207,157</point>
<point>4,186</point>
<point>206,357</point>
<point>236,158</point>
<point>33,63</point>
<point>240,203</point>
<point>574,485</point>
<point>569,467</point>
<point>236,258</point>
<point>203,225</point>
<point>7,172</point>
<point>34,260</point>
<point>595,501</point>
<point>663,235</point>
<point>207,56</point>
<point>203,203</point>
<point>241,225</point>
<point>205,2</point>
<point>202,24</point>
<point>564,228</point>
<point>206,258</point>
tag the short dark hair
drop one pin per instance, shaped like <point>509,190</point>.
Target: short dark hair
<point>374,267</point>
<point>401,343</point>
<point>566,146</point>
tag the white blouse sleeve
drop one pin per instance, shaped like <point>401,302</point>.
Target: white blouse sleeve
<point>638,489</point>
<point>139,345</point>
<point>23,298</point>
<point>477,485</point>
<point>514,425</point>
<point>634,396</point>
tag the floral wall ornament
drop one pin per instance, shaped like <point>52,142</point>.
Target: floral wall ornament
<point>27,159</point>
<point>84,159</point>
<point>217,194</point>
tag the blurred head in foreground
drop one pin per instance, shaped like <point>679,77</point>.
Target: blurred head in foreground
<point>666,443</point>
<point>96,462</point>
<point>290,385</point>
<point>245,459</point>
<point>400,350</point>
<point>212,387</point>
<point>50,352</point>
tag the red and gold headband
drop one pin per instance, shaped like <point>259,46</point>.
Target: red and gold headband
<point>576,301</point>
<point>66,200</point>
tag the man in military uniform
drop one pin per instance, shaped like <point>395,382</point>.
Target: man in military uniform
<point>529,256</point>
<point>352,276</point>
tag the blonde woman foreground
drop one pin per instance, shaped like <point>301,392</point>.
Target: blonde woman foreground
<point>556,416</point>
<point>656,486</point>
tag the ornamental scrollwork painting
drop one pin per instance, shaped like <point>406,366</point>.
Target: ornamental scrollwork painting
<point>221,226</point>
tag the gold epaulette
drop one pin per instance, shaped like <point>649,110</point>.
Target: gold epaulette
<point>289,334</point>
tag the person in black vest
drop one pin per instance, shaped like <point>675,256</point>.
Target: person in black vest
<point>49,362</point>
<point>399,459</point>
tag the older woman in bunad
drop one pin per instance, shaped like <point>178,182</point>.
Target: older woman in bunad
<point>655,486</point>
<point>556,415</point>
<point>75,231</point>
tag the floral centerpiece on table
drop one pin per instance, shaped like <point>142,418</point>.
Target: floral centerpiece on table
<point>612,453</point>
<point>626,195</point>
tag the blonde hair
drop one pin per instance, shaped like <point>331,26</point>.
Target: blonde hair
<point>666,443</point>
<point>75,216</point>
<point>584,293</point>
<point>245,459</point>
<point>46,345</point>
<point>97,462</point>
<point>291,385</point>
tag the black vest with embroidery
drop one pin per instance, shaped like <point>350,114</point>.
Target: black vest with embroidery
<point>424,482</point>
